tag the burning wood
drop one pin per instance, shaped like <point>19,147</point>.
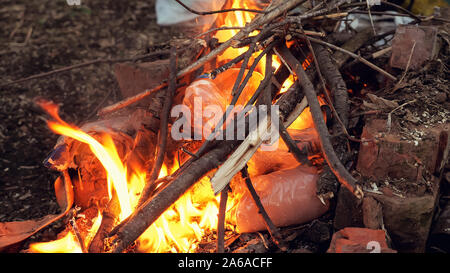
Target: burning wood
<point>261,75</point>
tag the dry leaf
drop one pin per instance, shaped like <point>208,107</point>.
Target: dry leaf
<point>378,103</point>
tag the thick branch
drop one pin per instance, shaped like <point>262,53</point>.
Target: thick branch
<point>333,161</point>
<point>353,55</point>
<point>145,215</point>
<point>336,82</point>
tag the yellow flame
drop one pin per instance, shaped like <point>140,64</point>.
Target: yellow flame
<point>182,226</point>
<point>67,244</point>
<point>108,157</point>
<point>178,229</point>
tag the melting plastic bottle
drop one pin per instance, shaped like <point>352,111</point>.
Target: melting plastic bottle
<point>207,99</point>
<point>288,196</point>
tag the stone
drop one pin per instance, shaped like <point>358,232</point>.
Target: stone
<point>404,167</point>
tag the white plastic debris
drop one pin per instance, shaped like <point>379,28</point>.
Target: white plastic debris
<point>169,12</point>
<point>381,22</point>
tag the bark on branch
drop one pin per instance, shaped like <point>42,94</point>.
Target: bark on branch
<point>333,161</point>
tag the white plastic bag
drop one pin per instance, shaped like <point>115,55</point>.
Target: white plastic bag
<point>169,12</point>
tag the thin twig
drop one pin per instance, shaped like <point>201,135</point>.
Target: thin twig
<point>389,118</point>
<point>331,16</point>
<point>417,18</point>
<point>213,74</point>
<point>249,28</point>
<point>397,85</point>
<point>273,230</point>
<point>188,152</point>
<point>221,221</point>
<point>300,156</point>
<point>316,11</point>
<point>381,52</point>
<point>130,100</point>
<point>88,63</point>
<point>353,55</point>
<point>370,18</point>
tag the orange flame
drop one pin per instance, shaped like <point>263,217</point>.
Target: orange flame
<point>178,229</point>
<point>67,244</point>
<point>240,19</point>
<point>181,227</point>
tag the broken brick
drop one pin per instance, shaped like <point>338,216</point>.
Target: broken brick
<point>359,240</point>
<point>136,78</point>
<point>425,48</point>
<point>407,219</point>
<point>390,156</point>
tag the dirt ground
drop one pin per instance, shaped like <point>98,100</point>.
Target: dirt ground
<point>43,35</point>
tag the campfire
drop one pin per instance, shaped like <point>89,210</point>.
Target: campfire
<point>275,118</point>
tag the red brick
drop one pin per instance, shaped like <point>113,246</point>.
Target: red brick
<point>136,78</point>
<point>425,49</point>
<point>392,157</point>
<point>358,240</point>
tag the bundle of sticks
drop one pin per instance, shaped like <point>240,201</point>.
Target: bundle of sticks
<point>281,21</point>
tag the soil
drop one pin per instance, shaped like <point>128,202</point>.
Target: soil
<point>43,35</point>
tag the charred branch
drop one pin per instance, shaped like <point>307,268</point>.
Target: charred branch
<point>109,219</point>
<point>333,161</point>
<point>221,221</point>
